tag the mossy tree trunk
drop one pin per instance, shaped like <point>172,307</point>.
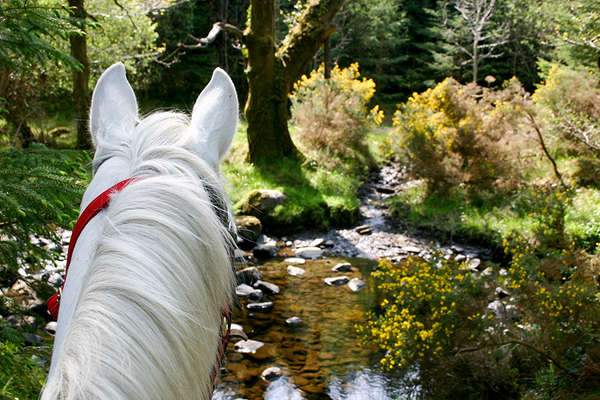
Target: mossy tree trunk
<point>81,77</point>
<point>272,72</point>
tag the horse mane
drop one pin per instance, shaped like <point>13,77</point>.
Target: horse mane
<point>148,320</point>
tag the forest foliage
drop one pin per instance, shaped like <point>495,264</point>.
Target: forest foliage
<point>494,106</point>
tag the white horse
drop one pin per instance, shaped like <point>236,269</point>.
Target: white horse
<point>141,311</point>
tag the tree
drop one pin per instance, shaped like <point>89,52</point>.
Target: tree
<point>573,27</point>
<point>81,76</point>
<point>471,30</point>
<point>272,69</point>
<point>26,32</point>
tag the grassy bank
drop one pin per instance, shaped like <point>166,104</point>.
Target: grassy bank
<point>491,219</point>
<point>322,192</point>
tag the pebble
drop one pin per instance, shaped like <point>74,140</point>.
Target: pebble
<point>51,327</point>
<point>295,271</point>
<point>309,252</point>
<point>337,280</point>
<point>267,287</point>
<point>356,284</point>
<point>295,260</point>
<point>293,321</point>
<point>248,346</point>
<point>342,267</point>
<point>271,373</point>
<point>265,306</point>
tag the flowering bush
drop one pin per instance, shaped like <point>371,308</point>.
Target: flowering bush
<point>458,134</point>
<point>534,319</point>
<point>424,312</point>
<point>333,114</point>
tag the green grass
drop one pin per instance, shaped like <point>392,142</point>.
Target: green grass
<point>489,219</point>
<point>319,196</point>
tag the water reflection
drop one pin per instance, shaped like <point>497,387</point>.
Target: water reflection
<point>319,358</point>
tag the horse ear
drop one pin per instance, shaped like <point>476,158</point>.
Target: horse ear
<point>114,110</point>
<point>215,117</point>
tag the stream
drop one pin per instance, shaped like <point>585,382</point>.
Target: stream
<point>306,330</point>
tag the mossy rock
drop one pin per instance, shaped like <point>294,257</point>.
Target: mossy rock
<point>249,227</point>
<point>263,202</point>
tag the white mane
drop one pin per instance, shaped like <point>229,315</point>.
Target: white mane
<point>146,322</point>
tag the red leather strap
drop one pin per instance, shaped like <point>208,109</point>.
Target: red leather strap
<point>90,212</point>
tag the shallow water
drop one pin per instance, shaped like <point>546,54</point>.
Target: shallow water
<point>320,358</point>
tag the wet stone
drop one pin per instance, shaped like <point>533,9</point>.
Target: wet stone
<point>271,373</point>
<point>295,260</point>
<point>293,321</point>
<point>237,330</point>
<point>337,280</point>
<point>309,252</point>
<point>265,306</point>
<point>248,346</point>
<point>263,251</point>
<point>363,230</point>
<point>249,275</point>
<point>295,271</point>
<point>51,327</point>
<point>342,267</point>
<point>356,284</point>
<point>267,287</point>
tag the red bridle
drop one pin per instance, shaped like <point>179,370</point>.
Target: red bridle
<point>97,205</point>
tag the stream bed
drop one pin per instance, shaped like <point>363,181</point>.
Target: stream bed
<point>317,358</point>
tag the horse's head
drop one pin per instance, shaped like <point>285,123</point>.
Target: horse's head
<point>114,116</point>
<point>141,310</point>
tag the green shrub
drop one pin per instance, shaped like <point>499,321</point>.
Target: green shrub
<point>332,115</point>
<point>467,135</point>
<point>570,104</point>
<point>40,190</point>
<point>21,377</point>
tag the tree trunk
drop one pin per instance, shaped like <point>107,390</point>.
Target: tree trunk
<point>475,60</point>
<point>81,78</point>
<point>266,107</point>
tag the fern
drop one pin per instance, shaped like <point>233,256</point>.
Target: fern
<point>40,191</point>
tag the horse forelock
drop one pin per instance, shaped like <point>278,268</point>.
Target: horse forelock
<point>147,322</point>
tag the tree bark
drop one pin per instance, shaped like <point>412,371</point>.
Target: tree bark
<point>81,78</point>
<point>266,107</point>
<point>272,71</point>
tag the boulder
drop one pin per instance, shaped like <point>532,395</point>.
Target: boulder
<point>263,202</point>
<point>249,230</point>
<point>309,252</point>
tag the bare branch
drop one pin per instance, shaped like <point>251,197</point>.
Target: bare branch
<point>217,28</point>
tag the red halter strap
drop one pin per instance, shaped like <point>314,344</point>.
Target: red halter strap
<point>90,212</point>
